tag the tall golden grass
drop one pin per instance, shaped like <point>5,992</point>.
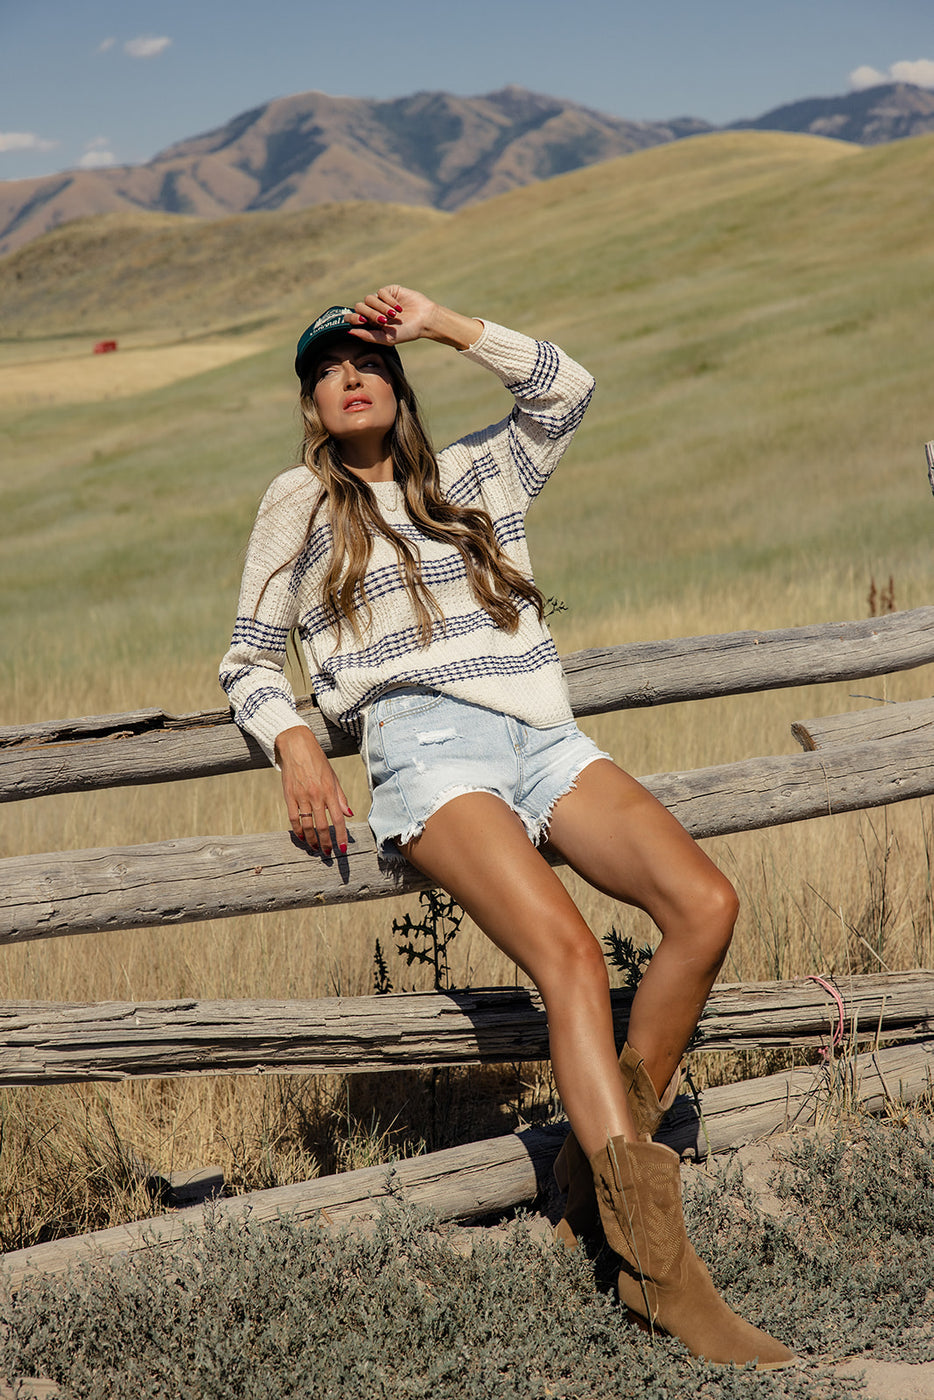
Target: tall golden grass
<point>844,894</point>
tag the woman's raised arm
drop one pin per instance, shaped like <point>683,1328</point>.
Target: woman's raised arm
<point>394,315</point>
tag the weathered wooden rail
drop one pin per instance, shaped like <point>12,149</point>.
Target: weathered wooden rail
<point>214,877</point>
<point>47,1042</point>
<point>886,721</point>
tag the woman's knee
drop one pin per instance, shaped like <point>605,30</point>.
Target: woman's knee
<point>576,959</point>
<point>722,900</point>
<point>715,911</point>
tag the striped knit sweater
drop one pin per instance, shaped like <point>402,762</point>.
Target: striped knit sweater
<point>501,469</point>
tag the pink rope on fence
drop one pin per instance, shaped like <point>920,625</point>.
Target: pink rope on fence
<point>838,1032</point>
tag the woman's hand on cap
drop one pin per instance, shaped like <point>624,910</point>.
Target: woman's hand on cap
<point>392,316</point>
<point>395,314</point>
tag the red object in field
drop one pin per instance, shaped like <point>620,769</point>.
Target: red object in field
<point>104,347</point>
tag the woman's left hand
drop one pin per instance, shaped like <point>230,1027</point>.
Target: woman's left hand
<point>392,315</point>
<point>395,314</point>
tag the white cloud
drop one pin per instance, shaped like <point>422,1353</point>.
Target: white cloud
<point>146,46</point>
<point>24,141</point>
<point>866,77</point>
<point>94,160</point>
<point>97,153</point>
<point>919,71</point>
<point>106,44</point>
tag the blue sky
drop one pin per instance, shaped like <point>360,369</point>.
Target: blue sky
<point>101,82</point>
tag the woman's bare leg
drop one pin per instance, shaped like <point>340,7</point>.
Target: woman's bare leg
<point>623,841</point>
<point>477,849</point>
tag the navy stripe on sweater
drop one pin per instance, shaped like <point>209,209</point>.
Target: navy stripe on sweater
<point>543,373</point>
<point>264,636</point>
<point>471,668</point>
<point>257,699</point>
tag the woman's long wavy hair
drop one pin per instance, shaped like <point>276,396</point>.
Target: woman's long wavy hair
<point>498,586</point>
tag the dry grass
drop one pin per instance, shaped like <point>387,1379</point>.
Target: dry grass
<point>82,377</point>
<point>118,273</point>
<point>845,894</point>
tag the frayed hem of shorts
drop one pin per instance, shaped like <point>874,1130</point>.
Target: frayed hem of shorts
<point>538,835</point>
<point>535,828</point>
<point>393,861</point>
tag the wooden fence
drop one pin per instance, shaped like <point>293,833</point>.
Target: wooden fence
<point>851,761</point>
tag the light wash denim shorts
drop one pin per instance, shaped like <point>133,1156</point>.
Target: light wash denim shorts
<point>422,749</point>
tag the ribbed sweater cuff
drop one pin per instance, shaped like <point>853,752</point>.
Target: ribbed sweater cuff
<point>270,722</point>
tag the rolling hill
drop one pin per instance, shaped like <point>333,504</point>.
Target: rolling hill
<point>430,149</point>
<point>135,271</point>
<point>754,306</point>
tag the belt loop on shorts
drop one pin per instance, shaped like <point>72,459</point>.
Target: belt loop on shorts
<point>365,747</point>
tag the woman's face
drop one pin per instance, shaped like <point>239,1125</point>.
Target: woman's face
<point>353,392</point>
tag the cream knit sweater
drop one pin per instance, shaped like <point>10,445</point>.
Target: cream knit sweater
<point>500,469</point>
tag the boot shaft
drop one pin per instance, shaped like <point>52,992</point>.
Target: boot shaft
<point>638,1187</point>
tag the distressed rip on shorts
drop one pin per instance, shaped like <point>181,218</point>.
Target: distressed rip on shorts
<point>423,749</point>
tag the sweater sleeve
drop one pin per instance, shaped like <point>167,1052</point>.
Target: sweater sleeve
<point>251,673</point>
<point>551,391</point>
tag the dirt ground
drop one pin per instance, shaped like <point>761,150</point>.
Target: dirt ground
<point>893,1380</point>
<point>884,1380</point>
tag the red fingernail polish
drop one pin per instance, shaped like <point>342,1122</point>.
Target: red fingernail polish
<point>344,849</point>
<point>398,308</point>
<point>382,320</point>
<point>363,320</point>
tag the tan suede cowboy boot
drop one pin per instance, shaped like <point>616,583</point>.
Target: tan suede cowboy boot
<point>572,1170</point>
<point>661,1280</point>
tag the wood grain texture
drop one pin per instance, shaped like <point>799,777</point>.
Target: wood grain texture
<point>736,663</point>
<point>45,1043</point>
<point>484,1177</point>
<point>150,746</point>
<point>886,721</point>
<point>751,1109</point>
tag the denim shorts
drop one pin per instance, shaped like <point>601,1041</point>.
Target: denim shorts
<point>422,749</point>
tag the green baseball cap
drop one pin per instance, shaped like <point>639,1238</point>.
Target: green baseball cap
<point>329,326</point>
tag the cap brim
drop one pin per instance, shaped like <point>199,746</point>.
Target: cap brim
<point>314,347</point>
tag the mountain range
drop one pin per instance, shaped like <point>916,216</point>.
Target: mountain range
<point>429,149</point>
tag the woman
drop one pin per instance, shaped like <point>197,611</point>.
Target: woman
<point>408,579</point>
